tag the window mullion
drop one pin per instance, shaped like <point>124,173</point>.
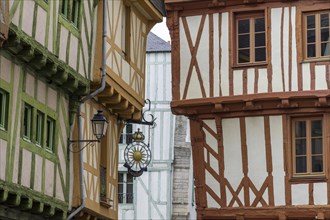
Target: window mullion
<point>124,188</point>
<point>252,40</point>
<point>309,145</point>
<point>317,35</point>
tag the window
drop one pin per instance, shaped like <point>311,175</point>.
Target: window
<point>27,122</point>
<point>125,188</point>
<point>316,35</point>
<point>71,11</point>
<point>307,142</point>
<point>250,38</point>
<point>126,136</point>
<point>103,183</point>
<point>39,128</point>
<point>50,133</point>
<point>4,104</point>
<point>125,29</point>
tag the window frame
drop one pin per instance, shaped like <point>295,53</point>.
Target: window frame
<point>124,188</point>
<point>4,105</point>
<point>318,41</point>
<point>309,173</point>
<point>50,134</point>
<point>27,122</point>
<point>126,135</point>
<point>251,16</point>
<point>73,17</point>
<point>125,29</point>
<point>40,128</point>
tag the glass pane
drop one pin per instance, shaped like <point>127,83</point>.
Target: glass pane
<point>311,36</point>
<point>129,193</point>
<point>301,165</point>
<point>301,147</point>
<point>324,20</point>
<point>120,178</point>
<point>129,178</point>
<point>325,49</point>
<point>260,54</point>
<point>2,103</point>
<point>325,34</point>
<point>260,40</point>
<point>244,56</point>
<point>317,128</point>
<point>300,128</point>
<point>39,128</point>
<point>317,146</point>
<point>310,21</point>
<point>259,24</point>
<point>311,50</point>
<point>317,163</point>
<point>244,41</point>
<point>243,26</point>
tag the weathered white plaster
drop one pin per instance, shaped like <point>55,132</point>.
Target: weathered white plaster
<point>29,84</point>
<point>26,166</point>
<point>276,140</point>
<point>299,194</point>
<point>41,25</point>
<point>255,140</point>
<point>73,52</point>
<point>276,14</point>
<point>185,57</point>
<point>41,94</point>
<point>216,55</point>
<point>126,74</point>
<point>27,22</point>
<point>16,16</point>
<point>238,82</point>
<point>59,189</point>
<point>37,173</point>
<point>194,89</point>
<point>3,158</point>
<point>52,98</point>
<point>49,181</point>
<point>5,69</point>
<point>320,77</point>
<point>306,76</point>
<point>320,193</point>
<point>224,70</point>
<point>64,33</point>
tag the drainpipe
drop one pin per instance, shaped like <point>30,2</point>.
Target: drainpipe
<point>84,99</point>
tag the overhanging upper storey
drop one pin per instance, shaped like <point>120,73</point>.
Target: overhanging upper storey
<point>241,49</point>
<point>128,25</point>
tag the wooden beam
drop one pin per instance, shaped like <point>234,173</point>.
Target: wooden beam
<point>121,106</point>
<point>115,99</point>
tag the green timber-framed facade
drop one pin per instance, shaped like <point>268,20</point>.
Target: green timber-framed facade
<point>45,63</point>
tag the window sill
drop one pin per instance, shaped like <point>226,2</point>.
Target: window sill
<point>69,25</point>
<point>316,60</point>
<point>261,64</point>
<point>308,179</point>
<point>105,204</point>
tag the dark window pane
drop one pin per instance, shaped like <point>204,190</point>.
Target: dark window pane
<point>129,178</point>
<point>260,40</point>
<point>324,20</point>
<point>325,49</point>
<point>129,198</point>
<point>316,128</point>
<point>260,54</point>
<point>310,21</point>
<point>300,128</point>
<point>120,188</point>
<point>120,177</point>
<point>129,131</point>
<point>120,198</point>
<point>311,50</point>
<point>301,147</point>
<point>244,41</point>
<point>301,165</point>
<point>317,146</point>
<point>325,34</point>
<point>244,56</point>
<point>311,36</point>
<point>317,163</point>
<point>243,26</point>
<point>129,193</point>
<point>259,24</point>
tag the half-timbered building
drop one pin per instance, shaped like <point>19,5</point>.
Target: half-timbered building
<point>127,24</point>
<point>253,77</point>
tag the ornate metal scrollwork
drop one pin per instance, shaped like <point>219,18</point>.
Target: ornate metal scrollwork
<point>137,154</point>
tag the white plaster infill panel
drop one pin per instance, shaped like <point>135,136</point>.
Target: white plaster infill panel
<point>276,140</point>
<point>215,186</point>
<point>63,42</point>
<point>286,48</point>
<point>306,76</point>
<point>185,57</point>
<point>224,43</point>
<point>26,166</point>
<point>49,181</point>
<point>262,81</point>
<point>320,77</point>
<point>59,189</point>
<point>41,94</point>
<point>320,193</point>
<point>37,173</point>
<point>5,69</point>
<point>29,84</point>
<point>73,53</point>
<point>238,82</point>
<point>232,154</point>
<point>3,153</point>
<point>27,20</point>
<point>294,73</point>
<point>250,80</point>
<point>216,56</point>
<point>41,26</point>
<point>300,195</point>
<point>276,13</point>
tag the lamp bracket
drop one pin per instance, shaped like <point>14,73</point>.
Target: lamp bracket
<point>143,120</point>
<point>83,141</point>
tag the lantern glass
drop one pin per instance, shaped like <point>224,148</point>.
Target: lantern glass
<point>99,124</point>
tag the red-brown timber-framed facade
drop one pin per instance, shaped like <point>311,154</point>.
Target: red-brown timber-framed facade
<point>242,116</point>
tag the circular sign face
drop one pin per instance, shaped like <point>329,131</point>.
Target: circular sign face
<point>137,156</point>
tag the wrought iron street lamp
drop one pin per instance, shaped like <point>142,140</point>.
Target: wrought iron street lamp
<point>100,125</point>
